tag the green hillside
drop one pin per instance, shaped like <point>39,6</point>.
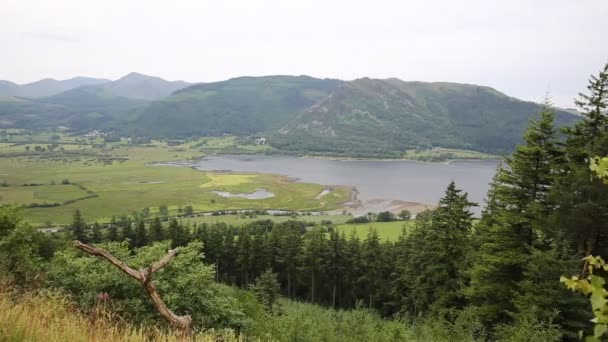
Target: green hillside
<point>80,109</point>
<point>301,114</point>
<point>240,106</point>
<point>369,116</point>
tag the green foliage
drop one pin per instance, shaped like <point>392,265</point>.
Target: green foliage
<point>186,274</point>
<point>79,228</point>
<point>239,106</point>
<point>600,167</point>
<point>369,117</point>
<point>20,262</point>
<point>266,289</point>
<point>593,286</point>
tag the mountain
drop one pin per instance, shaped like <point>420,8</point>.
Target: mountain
<point>80,109</point>
<point>372,116</point>
<point>364,117</point>
<point>139,86</point>
<point>46,87</point>
<point>240,106</point>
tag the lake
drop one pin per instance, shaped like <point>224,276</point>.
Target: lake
<point>381,185</point>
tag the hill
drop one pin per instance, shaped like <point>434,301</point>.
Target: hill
<point>239,106</point>
<point>371,116</point>
<point>46,87</point>
<point>80,109</point>
<point>139,86</point>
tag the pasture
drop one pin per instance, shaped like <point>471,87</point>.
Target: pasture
<point>125,182</point>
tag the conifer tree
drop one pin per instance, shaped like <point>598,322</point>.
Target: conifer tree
<point>141,234</point>
<point>128,234</point>
<point>113,230</point>
<point>244,254</point>
<point>511,224</point>
<point>157,232</point>
<point>313,258</point>
<point>582,201</point>
<point>335,264</point>
<point>79,228</point>
<point>434,260</point>
<point>96,235</point>
<point>372,264</point>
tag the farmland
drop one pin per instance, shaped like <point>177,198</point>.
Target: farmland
<point>124,181</point>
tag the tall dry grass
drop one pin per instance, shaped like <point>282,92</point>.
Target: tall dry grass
<point>51,317</point>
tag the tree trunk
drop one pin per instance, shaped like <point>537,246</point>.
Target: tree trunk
<point>312,288</point>
<point>288,284</point>
<point>333,297</point>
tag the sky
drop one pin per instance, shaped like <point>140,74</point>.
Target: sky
<point>523,48</point>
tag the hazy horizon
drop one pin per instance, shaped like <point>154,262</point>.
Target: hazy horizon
<point>520,48</point>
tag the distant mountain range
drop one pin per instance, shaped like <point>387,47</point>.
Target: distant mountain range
<point>133,85</point>
<point>295,113</point>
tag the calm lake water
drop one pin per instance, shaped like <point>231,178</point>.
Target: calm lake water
<point>376,181</point>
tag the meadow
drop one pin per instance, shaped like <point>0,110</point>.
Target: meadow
<point>122,177</point>
<point>387,231</point>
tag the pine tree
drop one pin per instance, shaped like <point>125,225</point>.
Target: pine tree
<point>313,258</point>
<point>177,234</point>
<point>113,230</point>
<point>96,236</point>
<point>266,288</point>
<point>157,232</point>
<point>582,201</point>
<point>289,255</point>
<point>127,231</point>
<point>141,234</point>
<point>512,223</point>
<point>79,228</point>
<point>436,253</point>
<point>244,255</point>
<point>372,264</point>
<point>335,264</point>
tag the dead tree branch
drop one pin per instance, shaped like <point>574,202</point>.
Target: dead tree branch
<point>144,276</point>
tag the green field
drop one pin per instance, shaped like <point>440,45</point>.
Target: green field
<point>125,183</point>
<point>388,231</point>
<point>239,220</point>
<point>444,154</point>
<point>40,194</point>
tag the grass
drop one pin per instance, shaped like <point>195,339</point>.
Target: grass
<point>442,154</point>
<point>238,220</point>
<point>52,318</point>
<point>125,183</point>
<point>40,194</point>
<point>388,231</point>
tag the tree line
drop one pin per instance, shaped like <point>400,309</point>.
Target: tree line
<point>544,214</point>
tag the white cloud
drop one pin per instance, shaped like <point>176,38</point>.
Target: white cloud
<point>520,47</point>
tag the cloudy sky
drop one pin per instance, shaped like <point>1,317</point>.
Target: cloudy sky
<point>521,47</point>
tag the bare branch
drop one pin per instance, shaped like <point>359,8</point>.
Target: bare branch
<point>164,261</point>
<point>182,323</point>
<point>106,255</point>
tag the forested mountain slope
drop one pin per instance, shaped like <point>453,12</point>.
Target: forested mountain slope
<point>371,115</point>
<point>240,106</point>
<point>80,109</point>
<point>301,114</point>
